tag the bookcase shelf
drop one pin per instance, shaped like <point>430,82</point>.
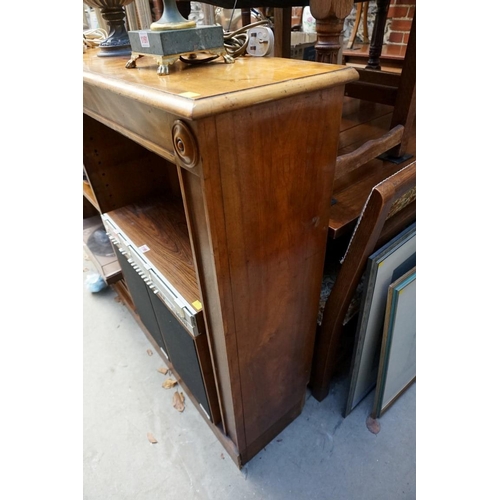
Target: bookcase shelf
<point>160,224</point>
<point>218,178</point>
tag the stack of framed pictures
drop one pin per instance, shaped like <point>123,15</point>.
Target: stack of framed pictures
<point>385,267</point>
<point>397,367</point>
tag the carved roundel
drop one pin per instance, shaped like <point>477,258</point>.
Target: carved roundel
<point>185,144</point>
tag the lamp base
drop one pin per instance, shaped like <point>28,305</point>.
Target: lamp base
<point>117,44</point>
<point>114,51</point>
<point>168,46</point>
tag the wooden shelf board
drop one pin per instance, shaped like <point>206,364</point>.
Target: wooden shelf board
<point>89,194</point>
<point>169,248</point>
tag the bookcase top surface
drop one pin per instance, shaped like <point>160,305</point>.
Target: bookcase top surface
<point>196,91</point>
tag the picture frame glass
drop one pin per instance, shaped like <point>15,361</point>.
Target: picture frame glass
<point>384,266</point>
<point>397,368</point>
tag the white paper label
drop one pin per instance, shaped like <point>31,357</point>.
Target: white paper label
<point>143,37</point>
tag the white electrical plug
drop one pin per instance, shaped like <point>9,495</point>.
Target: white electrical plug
<point>260,42</point>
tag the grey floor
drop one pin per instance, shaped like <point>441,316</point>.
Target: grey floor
<point>319,456</point>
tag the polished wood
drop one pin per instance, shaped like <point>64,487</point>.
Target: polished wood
<point>363,123</point>
<point>254,144</point>
<point>365,22</point>
<point>399,91</point>
<point>246,16</point>
<point>363,137</point>
<point>361,12</point>
<point>276,236</point>
<point>160,223</point>
<point>354,31</point>
<point>213,88</point>
<point>362,244</point>
<point>372,148</point>
<point>358,113</point>
<point>282,36</point>
<point>375,86</point>
<point>89,195</point>
<point>89,209</point>
<point>350,199</point>
<point>391,57</point>
<point>111,161</point>
<point>405,106</point>
<point>372,86</point>
<point>374,92</point>
<point>330,16</point>
<point>377,38</point>
<point>355,137</point>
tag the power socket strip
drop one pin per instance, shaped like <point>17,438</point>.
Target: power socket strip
<point>260,42</point>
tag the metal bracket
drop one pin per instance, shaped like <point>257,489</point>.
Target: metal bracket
<point>394,159</point>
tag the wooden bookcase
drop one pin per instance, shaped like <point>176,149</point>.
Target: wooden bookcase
<point>217,178</point>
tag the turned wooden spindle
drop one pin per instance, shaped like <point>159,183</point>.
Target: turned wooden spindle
<point>377,39</point>
<point>330,16</point>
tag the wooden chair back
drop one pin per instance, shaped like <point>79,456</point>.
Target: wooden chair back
<point>390,207</point>
<point>394,89</point>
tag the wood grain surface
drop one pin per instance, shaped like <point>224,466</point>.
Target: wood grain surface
<point>248,237</point>
<point>160,224</point>
<point>198,91</point>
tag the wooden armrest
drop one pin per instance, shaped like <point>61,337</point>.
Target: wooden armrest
<point>368,151</point>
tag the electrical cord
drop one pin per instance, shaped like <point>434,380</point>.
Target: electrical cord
<point>93,37</point>
<point>235,43</point>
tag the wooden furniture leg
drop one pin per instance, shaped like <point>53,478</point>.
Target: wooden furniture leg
<point>366,39</point>
<point>282,32</point>
<point>246,17</point>
<point>330,16</point>
<point>378,34</point>
<point>405,105</point>
<point>359,10</point>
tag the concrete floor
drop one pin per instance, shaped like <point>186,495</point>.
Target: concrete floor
<point>319,456</point>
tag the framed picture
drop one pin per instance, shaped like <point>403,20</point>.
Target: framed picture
<point>385,266</point>
<point>398,360</point>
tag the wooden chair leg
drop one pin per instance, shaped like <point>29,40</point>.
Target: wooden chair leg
<point>355,27</point>
<point>366,38</point>
<point>405,105</point>
<point>378,34</point>
<point>282,32</point>
<point>246,17</point>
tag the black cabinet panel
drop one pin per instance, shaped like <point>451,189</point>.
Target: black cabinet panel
<point>139,292</point>
<point>169,334</point>
<point>181,351</point>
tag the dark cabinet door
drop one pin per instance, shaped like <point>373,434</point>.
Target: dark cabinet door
<point>139,293</point>
<point>175,341</point>
<point>182,351</point>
